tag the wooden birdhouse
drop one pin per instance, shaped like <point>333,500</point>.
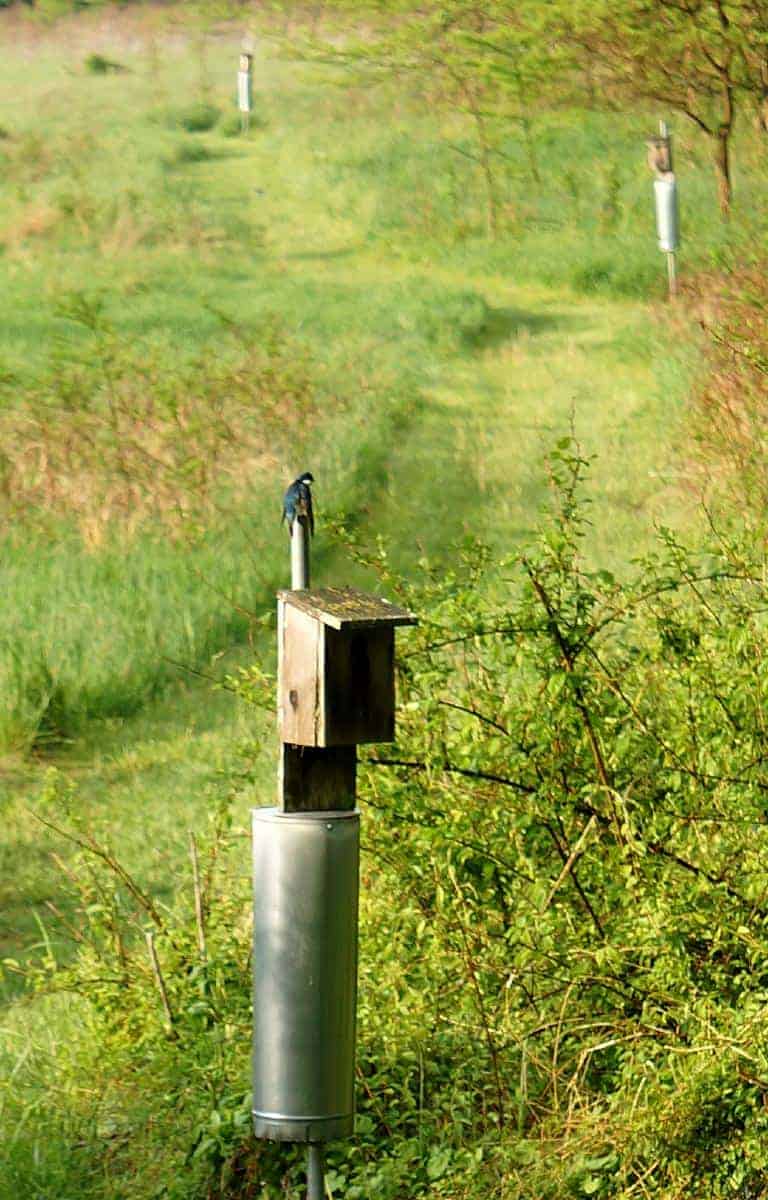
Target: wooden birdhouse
<point>336,667</point>
<point>660,155</point>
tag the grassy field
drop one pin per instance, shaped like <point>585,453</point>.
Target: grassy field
<point>205,271</point>
<point>188,318</point>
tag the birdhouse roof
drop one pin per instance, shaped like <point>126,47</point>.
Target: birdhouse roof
<point>347,608</point>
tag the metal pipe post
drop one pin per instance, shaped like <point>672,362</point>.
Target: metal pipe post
<point>315,1172</point>
<point>672,273</point>
<point>300,553</point>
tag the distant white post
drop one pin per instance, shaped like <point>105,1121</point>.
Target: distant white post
<point>245,90</point>
<point>665,195</point>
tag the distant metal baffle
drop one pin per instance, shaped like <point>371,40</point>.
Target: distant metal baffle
<point>306,869</point>
<point>667,216</point>
<point>245,84</point>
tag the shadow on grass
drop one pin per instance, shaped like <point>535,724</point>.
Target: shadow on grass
<point>503,324</point>
<point>323,255</point>
<point>192,152</point>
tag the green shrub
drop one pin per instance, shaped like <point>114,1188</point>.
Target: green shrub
<point>97,64</point>
<point>194,118</point>
<point>232,125</point>
<point>568,998</point>
<point>191,151</point>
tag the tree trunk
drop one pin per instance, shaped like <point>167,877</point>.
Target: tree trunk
<point>486,163</point>
<point>762,101</point>
<point>525,122</point>
<point>723,149</point>
<point>723,171</point>
<point>492,207</point>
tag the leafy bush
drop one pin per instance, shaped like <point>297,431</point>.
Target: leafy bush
<point>580,772</point>
<point>194,118</point>
<point>232,125</point>
<point>188,151</point>
<point>97,64</point>
<point>568,999</point>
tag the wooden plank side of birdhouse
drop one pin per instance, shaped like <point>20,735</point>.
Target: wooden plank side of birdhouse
<point>358,686</point>
<point>299,674</point>
<point>317,779</point>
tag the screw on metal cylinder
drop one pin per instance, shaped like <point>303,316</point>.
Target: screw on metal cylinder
<point>315,1181</point>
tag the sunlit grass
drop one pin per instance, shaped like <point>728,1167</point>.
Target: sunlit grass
<point>443,366</point>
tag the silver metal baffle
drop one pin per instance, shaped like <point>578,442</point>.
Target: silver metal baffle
<point>667,214</point>
<point>305,872</point>
<point>665,198</point>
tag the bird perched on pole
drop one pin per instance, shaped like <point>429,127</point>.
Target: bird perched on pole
<point>297,502</point>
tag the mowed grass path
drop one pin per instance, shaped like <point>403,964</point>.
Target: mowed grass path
<point>299,220</point>
<point>456,368</point>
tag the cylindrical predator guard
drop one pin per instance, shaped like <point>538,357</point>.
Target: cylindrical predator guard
<point>305,879</point>
<point>667,218</point>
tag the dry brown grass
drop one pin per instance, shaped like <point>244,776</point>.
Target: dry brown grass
<point>121,441</point>
<point>730,403</point>
<point>35,220</point>
<point>128,231</point>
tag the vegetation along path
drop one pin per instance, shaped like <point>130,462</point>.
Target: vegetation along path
<point>188,318</point>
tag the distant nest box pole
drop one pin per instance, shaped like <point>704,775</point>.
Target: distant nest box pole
<point>336,689</point>
<point>245,90</point>
<point>665,196</point>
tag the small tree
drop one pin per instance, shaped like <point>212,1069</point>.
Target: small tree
<point>477,59</point>
<point>753,19</point>
<point>690,55</point>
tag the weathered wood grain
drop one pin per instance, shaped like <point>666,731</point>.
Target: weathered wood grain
<point>358,687</point>
<point>317,779</point>
<point>347,608</point>
<point>299,676</point>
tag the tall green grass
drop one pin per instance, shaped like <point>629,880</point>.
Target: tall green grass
<point>354,216</point>
<point>95,632</point>
<point>437,365</point>
<point>96,635</point>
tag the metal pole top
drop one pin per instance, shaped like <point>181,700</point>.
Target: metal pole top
<point>300,553</point>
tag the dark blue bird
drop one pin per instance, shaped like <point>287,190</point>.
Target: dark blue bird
<point>297,502</point>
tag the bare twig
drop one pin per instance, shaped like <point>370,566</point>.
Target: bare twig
<point>568,866</point>
<point>450,769</point>
<point>481,1008</point>
<point>199,910</point>
<point>138,893</point>
<point>157,971</point>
